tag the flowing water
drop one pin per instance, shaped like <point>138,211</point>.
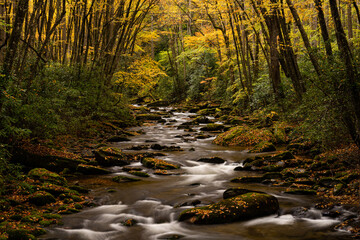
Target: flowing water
<point>156,202</point>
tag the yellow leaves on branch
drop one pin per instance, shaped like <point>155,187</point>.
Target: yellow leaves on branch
<point>144,73</point>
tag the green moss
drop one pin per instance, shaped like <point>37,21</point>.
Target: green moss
<point>155,163</point>
<point>263,146</point>
<point>41,198</point>
<point>19,234</point>
<point>212,127</point>
<point>123,179</point>
<point>243,136</point>
<point>242,207</point>
<point>47,176</point>
<point>139,173</point>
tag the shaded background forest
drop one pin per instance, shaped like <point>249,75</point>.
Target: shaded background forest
<point>67,63</point>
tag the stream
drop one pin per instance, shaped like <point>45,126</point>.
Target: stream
<point>156,202</point>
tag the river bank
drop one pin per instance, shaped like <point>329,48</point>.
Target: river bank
<point>184,138</point>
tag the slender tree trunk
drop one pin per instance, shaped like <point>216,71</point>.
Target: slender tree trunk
<point>304,36</point>
<point>352,121</point>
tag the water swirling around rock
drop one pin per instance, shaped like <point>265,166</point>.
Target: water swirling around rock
<point>154,203</point>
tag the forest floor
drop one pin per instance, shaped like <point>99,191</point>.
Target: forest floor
<point>26,208</point>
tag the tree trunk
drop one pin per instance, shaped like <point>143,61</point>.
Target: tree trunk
<point>323,27</point>
<point>351,118</point>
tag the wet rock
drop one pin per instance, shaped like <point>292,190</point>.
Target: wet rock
<point>165,148</point>
<point>250,179</point>
<point>195,202</point>
<point>41,198</point>
<point>264,146</point>
<point>91,170</point>
<point>202,136</point>
<point>305,181</point>
<point>129,168</point>
<point>233,192</point>
<point>123,179</point>
<point>295,191</point>
<point>329,182</point>
<point>161,103</point>
<point>201,119</point>
<point>214,160</point>
<point>302,212</point>
<point>139,147</point>
<point>109,156</point>
<point>139,174</point>
<point>239,208</point>
<point>211,127</point>
<point>118,139</point>
<point>162,172</point>
<point>155,163</point>
<point>272,175</point>
<point>286,155</point>
<point>44,175</point>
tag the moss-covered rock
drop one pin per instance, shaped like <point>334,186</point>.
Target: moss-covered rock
<point>41,198</point>
<point>211,127</point>
<point>272,175</point>
<point>155,163</point>
<point>91,170</point>
<point>242,207</point>
<point>110,156</point>
<point>286,155</point>
<point>139,173</point>
<point>249,179</point>
<point>264,146</point>
<point>233,192</point>
<point>38,156</point>
<point>123,179</point>
<point>19,234</point>
<point>44,175</point>
<point>243,136</point>
<point>54,189</point>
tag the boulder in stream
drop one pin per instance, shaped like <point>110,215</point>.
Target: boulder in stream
<point>212,127</point>
<point>91,170</point>
<point>263,146</point>
<point>109,156</point>
<point>156,163</point>
<point>243,207</point>
<point>214,160</point>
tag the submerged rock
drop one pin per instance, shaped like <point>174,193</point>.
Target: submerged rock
<point>243,207</point>
<point>123,179</point>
